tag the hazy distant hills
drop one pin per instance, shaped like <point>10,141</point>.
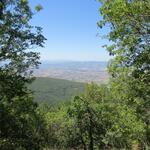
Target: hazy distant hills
<point>74,70</point>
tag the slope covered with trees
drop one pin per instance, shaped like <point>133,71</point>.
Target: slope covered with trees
<point>53,91</point>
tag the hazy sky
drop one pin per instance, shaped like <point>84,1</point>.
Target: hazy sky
<point>70,27</point>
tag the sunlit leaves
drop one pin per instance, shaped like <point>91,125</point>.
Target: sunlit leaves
<point>129,22</point>
<point>38,8</point>
<point>21,126</point>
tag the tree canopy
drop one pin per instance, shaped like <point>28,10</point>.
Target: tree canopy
<point>21,127</point>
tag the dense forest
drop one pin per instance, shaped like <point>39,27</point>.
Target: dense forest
<point>110,116</point>
<point>52,91</point>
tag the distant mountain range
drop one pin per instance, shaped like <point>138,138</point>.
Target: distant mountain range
<point>80,71</point>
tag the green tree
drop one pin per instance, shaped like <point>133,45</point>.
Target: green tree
<point>21,126</point>
<point>17,36</point>
<point>129,22</point>
<point>102,122</point>
<point>93,120</point>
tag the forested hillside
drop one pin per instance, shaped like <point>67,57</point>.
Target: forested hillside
<point>53,91</point>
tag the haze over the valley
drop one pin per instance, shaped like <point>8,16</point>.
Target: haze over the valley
<point>80,71</point>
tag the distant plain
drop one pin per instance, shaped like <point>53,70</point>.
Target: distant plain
<point>89,71</point>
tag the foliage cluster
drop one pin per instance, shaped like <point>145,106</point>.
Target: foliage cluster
<point>21,125</point>
<point>94,120</point>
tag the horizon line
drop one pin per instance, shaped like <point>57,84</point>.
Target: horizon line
<point>66,60</point>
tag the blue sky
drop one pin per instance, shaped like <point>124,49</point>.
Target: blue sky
<point>70,27</point>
